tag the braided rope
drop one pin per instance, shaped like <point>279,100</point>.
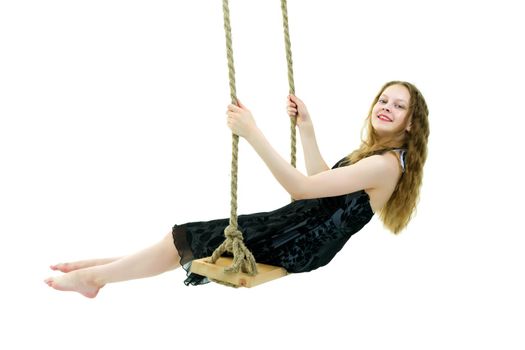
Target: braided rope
<point>243,259</point>
<point>287,43</point>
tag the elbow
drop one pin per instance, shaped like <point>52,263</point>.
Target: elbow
<point>302,195</point>
<point>300,191</point>
<point>297,196</point>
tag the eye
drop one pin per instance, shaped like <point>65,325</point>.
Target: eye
<point>401,107</point>
<point>382,100</point>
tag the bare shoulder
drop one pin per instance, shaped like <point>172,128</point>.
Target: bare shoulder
<point>377,173</point>
<point>389,167</point>
<point>384,167</point>
<point>386,163</point>
<point>392,162</point>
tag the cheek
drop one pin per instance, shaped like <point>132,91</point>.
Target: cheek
<point>404,121</point>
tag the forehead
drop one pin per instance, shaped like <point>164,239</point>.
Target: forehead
<point>397,92</point>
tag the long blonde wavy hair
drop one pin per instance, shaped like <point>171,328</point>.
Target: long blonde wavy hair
<point>401,206</point>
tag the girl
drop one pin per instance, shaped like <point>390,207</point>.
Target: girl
<point>382,176</point>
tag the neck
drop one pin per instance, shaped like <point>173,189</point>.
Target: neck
<point>396,141</point>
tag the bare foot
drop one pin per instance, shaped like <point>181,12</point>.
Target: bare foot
<point>75,282</point>
<point>72,266</point>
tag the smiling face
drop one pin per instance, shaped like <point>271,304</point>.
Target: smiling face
<point>390,113</point>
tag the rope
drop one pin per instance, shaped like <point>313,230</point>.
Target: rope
<point>291,84</point>
<point>243,259</point>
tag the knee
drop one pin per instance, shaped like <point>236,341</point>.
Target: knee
<point>168,238</point>
<point>169,243</point>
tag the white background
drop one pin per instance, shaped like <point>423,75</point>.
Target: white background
<point>113,129</point>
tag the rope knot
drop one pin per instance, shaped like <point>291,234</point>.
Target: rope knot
<point>232,232</point>
<point>243,259</point>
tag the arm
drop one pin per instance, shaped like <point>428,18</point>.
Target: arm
<point>289,177</point>
<point>314,162</point>
<point>370,172</point>
<point>313,159</point>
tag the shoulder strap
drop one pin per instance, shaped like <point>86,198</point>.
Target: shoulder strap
<point>402,153</point>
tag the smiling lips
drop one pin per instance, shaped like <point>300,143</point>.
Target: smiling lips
<point>384,118</point>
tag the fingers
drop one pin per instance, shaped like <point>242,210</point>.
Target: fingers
<point>230,121</point>
<point>294,99</point>
<point>233,108</point>
<point>292,107</point>
<point>239,106</point>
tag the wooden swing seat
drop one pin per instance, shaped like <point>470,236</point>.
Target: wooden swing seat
<point>216,271</point>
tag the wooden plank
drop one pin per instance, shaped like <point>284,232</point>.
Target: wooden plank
<point>216,271</point>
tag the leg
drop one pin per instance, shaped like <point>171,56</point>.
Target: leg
<point>158,258</point>
<point>76,265</point>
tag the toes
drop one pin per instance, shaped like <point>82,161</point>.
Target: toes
<point>62,267</point>
<point>68,267</point>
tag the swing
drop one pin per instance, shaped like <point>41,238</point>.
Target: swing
<point>242,269</point>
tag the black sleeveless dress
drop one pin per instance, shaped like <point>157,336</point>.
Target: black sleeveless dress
<point>301,236</point>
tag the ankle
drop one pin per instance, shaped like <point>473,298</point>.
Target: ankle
<point>92,277</point>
